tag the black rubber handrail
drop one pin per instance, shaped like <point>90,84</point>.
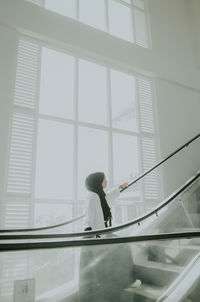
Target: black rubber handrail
<point>42,228</point>
<point>6,247</point>
<point>162,161</point>
<point>130,184</point>
<point>110,229</point>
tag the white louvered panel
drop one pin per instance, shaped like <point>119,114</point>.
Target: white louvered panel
<point>17,214</point>
<point>149,160</point>
<point>146,106</point>
<point>26,85</point>
<point>20,159</point>
<point>14,267</point>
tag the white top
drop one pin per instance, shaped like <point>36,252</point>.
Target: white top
<point>94,213</point>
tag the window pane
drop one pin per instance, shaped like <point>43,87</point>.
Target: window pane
<point>57,84</point>
<point>140,28</point>
<point>49,214</point>
<point>63,7</point>
<point>123,96</point>
<point>125,157</point>
<point>92,93</point>
<point>54,165</point>
<point>92,12</point>
<point>120,23</point>
<point>93,155</point>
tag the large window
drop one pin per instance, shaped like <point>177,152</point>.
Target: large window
<point>72,117</point>
<point>125,19</point>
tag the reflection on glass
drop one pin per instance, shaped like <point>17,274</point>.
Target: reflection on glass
<point>93,155</point>
<point>92,93</point>
<point>92,12</point>
<point>123,95</point>
<point>54,165</point>
<point>120,23</point>
<point>56,84</point>
<point>63,7</point>
<point>125,157</point>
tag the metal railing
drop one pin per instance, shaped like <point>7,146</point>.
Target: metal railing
<point>100,241</point>
<point>108,230</point>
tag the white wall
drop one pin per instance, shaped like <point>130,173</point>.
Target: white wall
<point>193,7</point>
<point>171,62</point>
<point>178,122</point>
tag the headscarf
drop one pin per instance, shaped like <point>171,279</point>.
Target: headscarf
<point>94,184</point>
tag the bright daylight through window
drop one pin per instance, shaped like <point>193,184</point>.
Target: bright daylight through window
<point>72,117</point>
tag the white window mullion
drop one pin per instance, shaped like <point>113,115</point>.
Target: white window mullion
<point>106,15</point>
<point>75,164</point>
<point>110,138</point>
<point>77,10</point>
<point>133,22</point>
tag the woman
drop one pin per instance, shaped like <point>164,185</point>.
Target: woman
<point>98,212</point>
<point>105,271</point>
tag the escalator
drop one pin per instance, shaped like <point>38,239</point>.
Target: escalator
<point>161,248</point>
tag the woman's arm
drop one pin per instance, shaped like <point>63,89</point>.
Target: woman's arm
<point>114,193</point>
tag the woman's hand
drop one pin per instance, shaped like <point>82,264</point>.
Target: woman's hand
<point>125,185</point>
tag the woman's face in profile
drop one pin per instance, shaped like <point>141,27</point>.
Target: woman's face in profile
<point>104,183</point>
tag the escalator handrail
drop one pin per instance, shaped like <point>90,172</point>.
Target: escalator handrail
<point>162,161</point>
<point>5,247</point>
<point>110,229</point>
<point>43,228</point>
<point>130,184</point>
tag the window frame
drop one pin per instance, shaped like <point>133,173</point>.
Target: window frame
<point>132,8</point>
<point>76,123</point>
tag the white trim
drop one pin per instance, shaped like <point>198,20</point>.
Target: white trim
<point>75,139</point>
<point>110,132</point>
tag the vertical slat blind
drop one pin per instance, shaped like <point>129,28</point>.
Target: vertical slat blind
<point>21,153</point>
<point>22,129</point>
<point>148,144</point>
<point>17,214</point>
<point>149,160</point>
<point>146,105</point>
<point>26,86</point>
<point>22,136</point>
